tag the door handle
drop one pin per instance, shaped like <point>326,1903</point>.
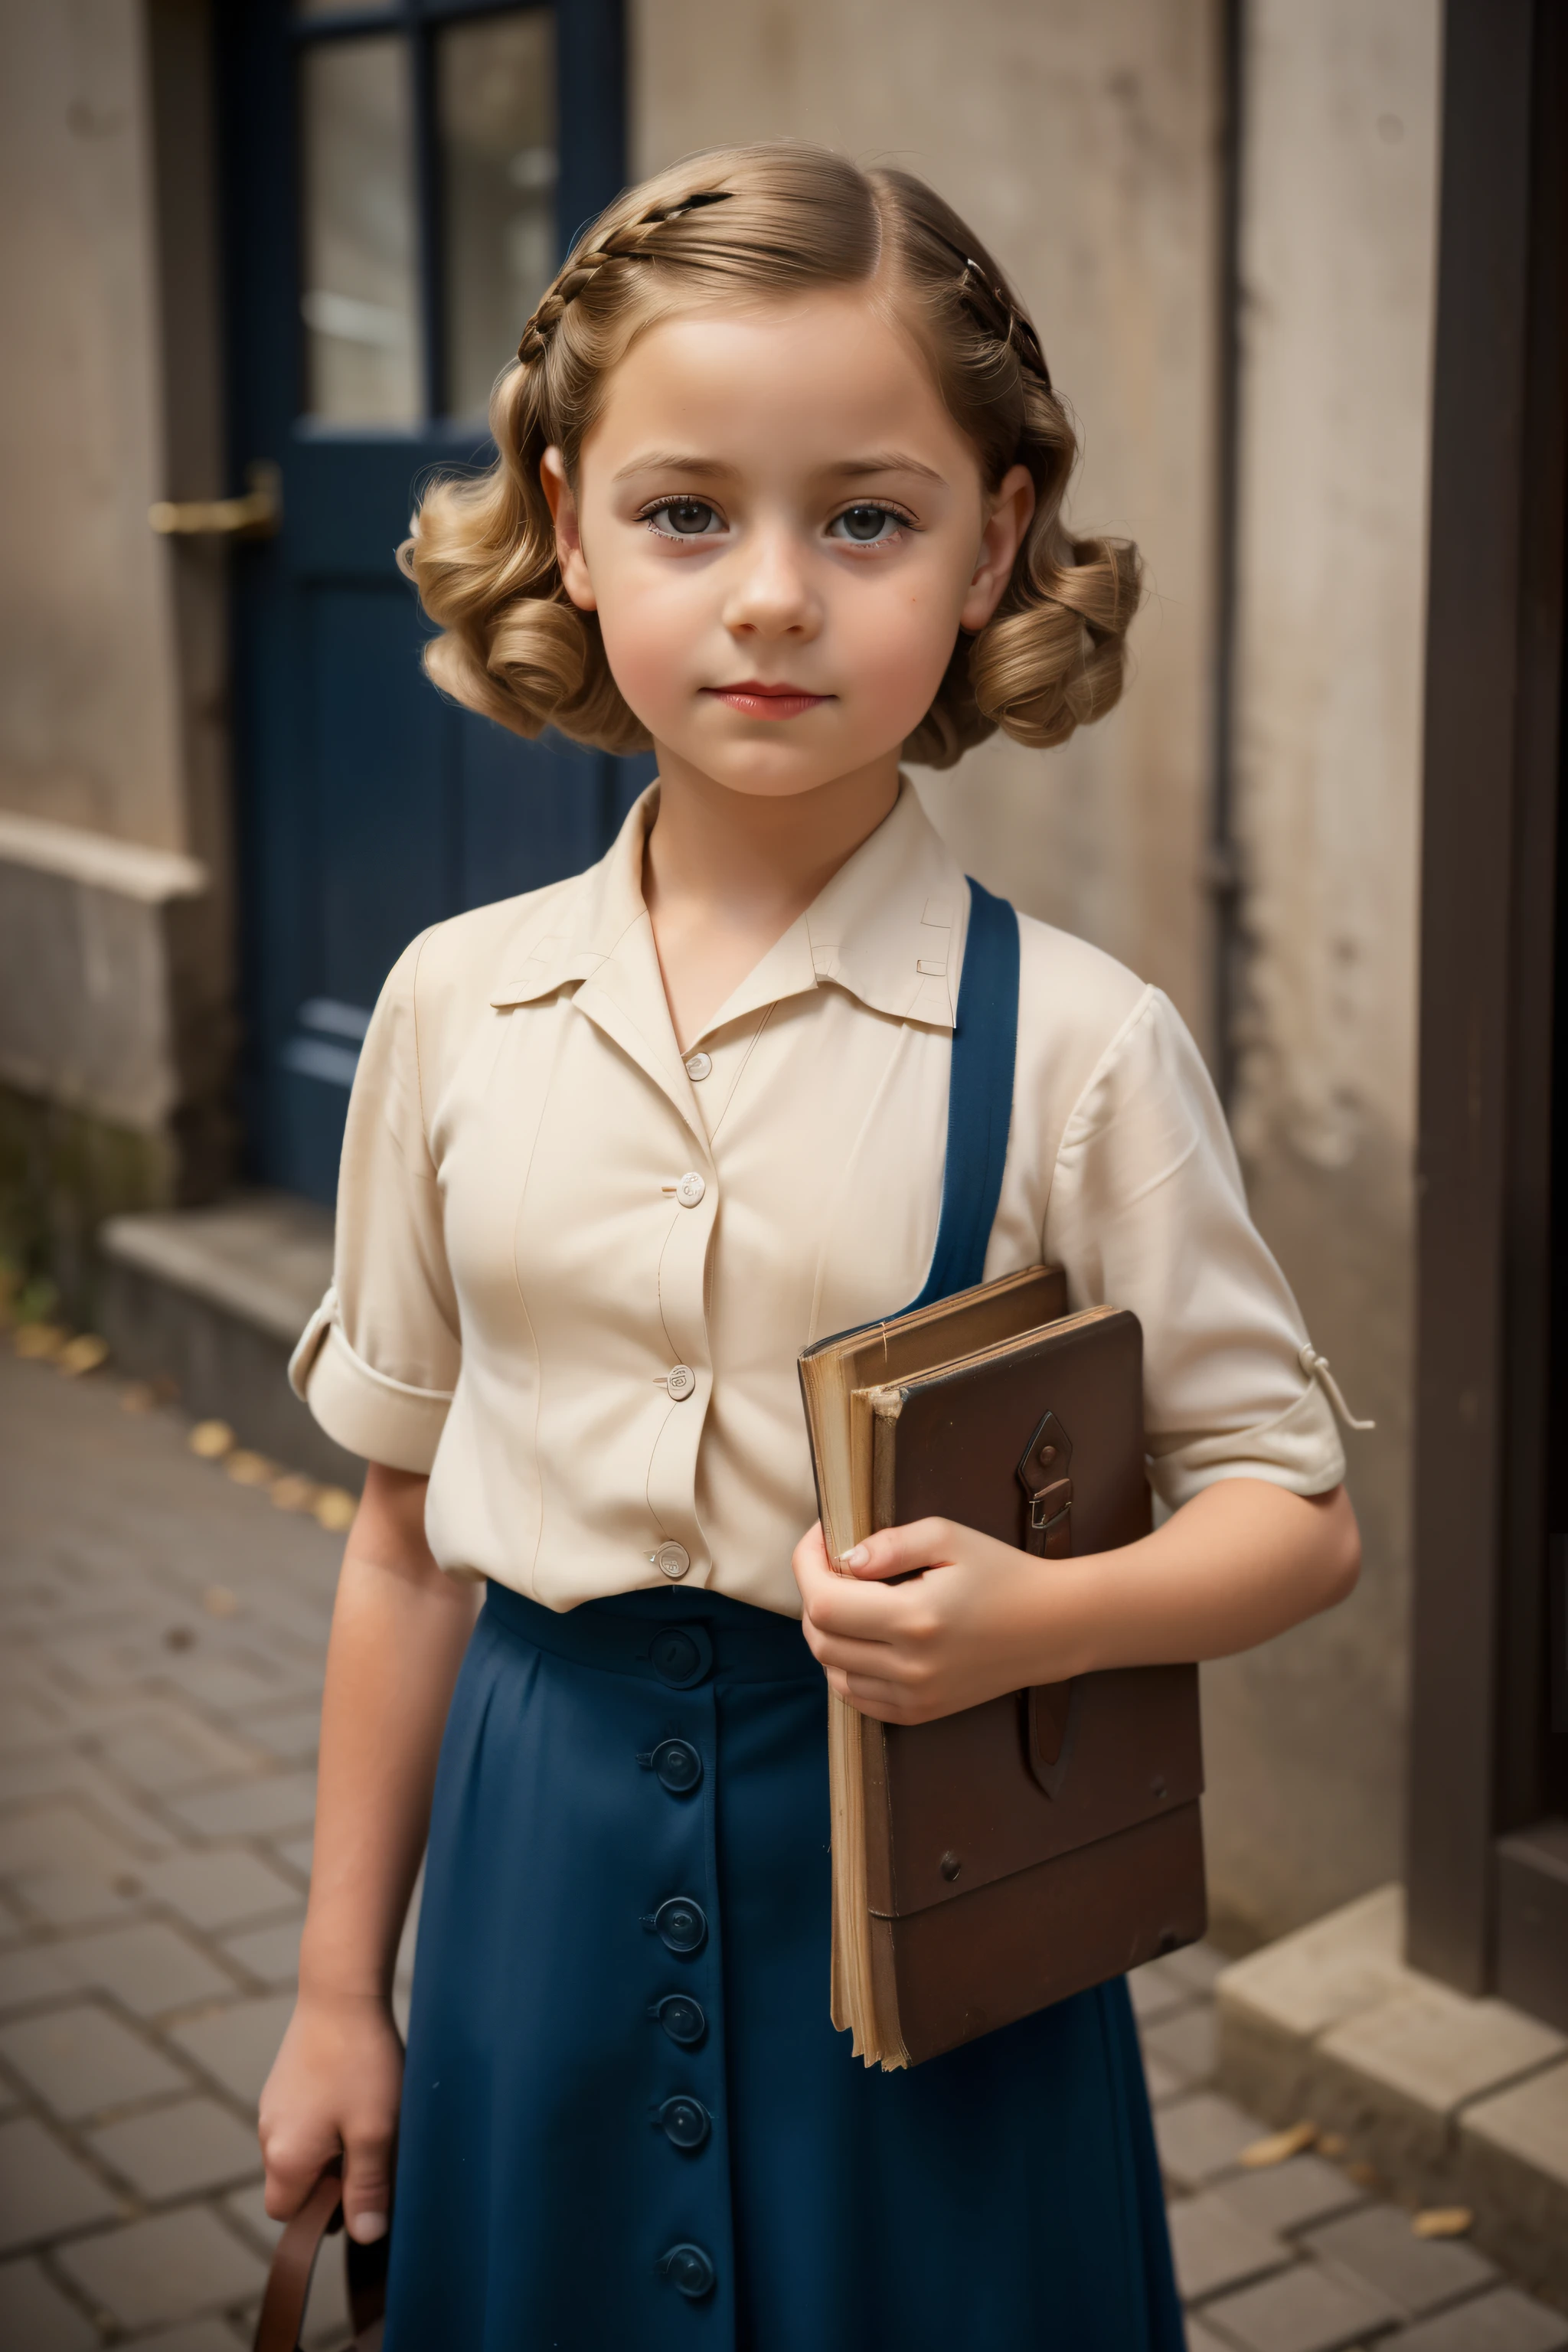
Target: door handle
<point>256,514</point>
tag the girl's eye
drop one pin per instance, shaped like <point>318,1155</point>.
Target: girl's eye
<point>683,519</point>
<point>867,526</point>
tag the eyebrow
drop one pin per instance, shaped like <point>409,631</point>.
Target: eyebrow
<point>680,461</point>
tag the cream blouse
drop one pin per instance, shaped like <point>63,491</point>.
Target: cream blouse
<point>574,1271</point>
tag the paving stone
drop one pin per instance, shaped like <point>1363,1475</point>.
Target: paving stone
<point>174,2266</point>
<point>1188,2041</point>
<point>1437,2049</point>
<point>35,2317</point>
<point>179,2152</point>
<point>56,1837</point>
<point>223,1887</point>
<point>271,1953</point>
<point>1302,2310</point>
<point>85,1898</point>
<point>81,2061</point>
<point>1337,1966</point>
<point>1504,2321</point>
<point>148,1969</point>
<point>1420,2274</point>
<point>1199,2136</point>
<point>1528,2122</point>
<point>1199,1967</point>
<point>196,2335</point>
<point>238,2044</point>
<point>30,1973</point>
<point>287,1800</point>
<point>1154,1994</point>
<point>174,1750</point>
<point>1293,2194</point>
<point>291,1735</point>
<point>1164,2080</point>
<point>44,2192</point>
<point>1204,2339</point>
<point>1216,2247</point>
<point>296,1852</point>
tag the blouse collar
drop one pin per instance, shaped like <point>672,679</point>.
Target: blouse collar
<point>887,928</point>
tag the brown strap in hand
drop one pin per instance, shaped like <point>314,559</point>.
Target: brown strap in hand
<point>282,2314</point>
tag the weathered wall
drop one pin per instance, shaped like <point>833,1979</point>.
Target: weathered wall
<point>89,704</point>
<point>1339,225</point>
<point>1076,136</point>
<point>112,641</point>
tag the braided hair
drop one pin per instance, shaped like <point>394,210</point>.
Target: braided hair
<point>779,219</point>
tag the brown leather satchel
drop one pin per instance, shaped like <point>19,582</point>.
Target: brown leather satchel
<point>282,2311</point>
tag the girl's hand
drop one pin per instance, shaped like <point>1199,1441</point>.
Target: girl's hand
<point>334,2089</point>
<point>1240,1563</point>
<point>949,1639</point>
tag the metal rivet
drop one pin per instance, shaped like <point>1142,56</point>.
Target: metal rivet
<point>950,1866</point>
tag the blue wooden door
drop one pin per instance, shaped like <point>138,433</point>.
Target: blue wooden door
<point>400,181</point>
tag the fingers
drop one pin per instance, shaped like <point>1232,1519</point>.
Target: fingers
<point>295,2159</point>
<point>895,1551</point>
<point>367,2185</point>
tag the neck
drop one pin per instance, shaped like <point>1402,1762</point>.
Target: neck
<point>725,873</point>
<point>752,860</point>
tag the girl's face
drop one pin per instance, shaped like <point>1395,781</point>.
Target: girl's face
<point>781,530</point>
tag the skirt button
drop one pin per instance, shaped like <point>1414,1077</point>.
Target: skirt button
<point>689,2269</point>
<point>685,2123</point>
<point>680,1925</point>
<point>682,2018</point>
<point>677,1766</point>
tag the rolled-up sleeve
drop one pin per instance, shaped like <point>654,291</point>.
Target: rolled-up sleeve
<point>1148,1211</point>
<point>378,1361</point>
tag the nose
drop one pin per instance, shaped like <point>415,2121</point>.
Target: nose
<point>770,595</point>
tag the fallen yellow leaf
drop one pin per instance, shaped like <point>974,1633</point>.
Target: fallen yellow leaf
<point>293,1493</point>
<point>82,1355</point>
<point>41,1342</point>
<point>335,1509</point>
<point>137,1398</point>
<point>1442,2222</point>
<point>248,1469</point>
<point>219,1602</point>
<point>211,1440</point>
<point>1278,2146</point>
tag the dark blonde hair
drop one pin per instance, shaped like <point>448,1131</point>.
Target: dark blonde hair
<point>775,219</point>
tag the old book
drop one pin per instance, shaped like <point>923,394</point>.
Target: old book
<point>997,1860</point>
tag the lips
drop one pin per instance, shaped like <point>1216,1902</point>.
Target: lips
<point>755,699</point>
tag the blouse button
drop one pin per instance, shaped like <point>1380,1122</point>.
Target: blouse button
<point>672,1560</point>
<point>691,1189</point>
<point>697,1067</point>
<point>680,1379</point>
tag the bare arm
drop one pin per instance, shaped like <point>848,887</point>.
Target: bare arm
<point>1240,1563</point>
<point>399,1631</point>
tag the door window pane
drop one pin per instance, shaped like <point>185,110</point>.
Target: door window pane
<point>496,110</point>
<point>361,297</point>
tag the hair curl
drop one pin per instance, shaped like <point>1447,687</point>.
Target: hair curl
<point>770,219</point>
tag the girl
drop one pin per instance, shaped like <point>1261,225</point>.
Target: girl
<point>779,493</point>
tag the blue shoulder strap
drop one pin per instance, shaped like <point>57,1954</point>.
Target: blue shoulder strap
<point>980,1097</point>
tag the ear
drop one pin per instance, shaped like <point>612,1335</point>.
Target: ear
<point>569,553</point>
<point>1012,511</point>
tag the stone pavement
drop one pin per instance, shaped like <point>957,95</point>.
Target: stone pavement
<point>164,1628</point>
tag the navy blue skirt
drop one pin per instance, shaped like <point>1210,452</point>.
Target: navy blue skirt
<point>627,2120</point>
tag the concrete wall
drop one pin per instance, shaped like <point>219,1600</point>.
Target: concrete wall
<point>113,641</point>
<point>1078,141</point>
<point>1339,227</point>
<point>89,708</point>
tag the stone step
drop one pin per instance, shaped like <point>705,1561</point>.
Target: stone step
<point>1454,2101</point>
<point>214,1299</point>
